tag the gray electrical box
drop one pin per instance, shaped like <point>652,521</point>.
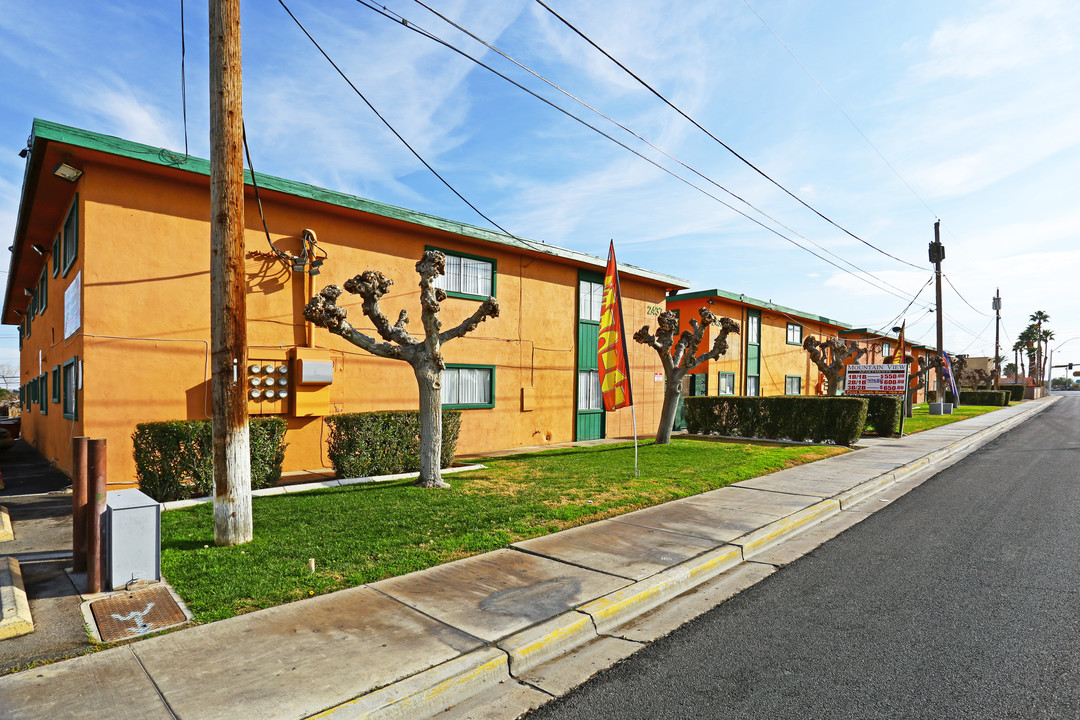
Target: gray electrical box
<point>132,527</point>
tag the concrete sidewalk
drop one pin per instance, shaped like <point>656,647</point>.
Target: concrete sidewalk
<point>526,623</point>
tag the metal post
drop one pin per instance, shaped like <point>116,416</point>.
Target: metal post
<point>95,513</point>
<point>936,253</point>
<point>78,504</point>
<point>997,339</point>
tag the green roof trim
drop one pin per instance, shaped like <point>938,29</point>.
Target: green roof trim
<point>44,130</point>
<point>754,302</point>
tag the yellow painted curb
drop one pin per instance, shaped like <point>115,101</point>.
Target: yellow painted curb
<point>429,692</point>
<point>756,541</point>
<point>6,533</point>
<point>626,604</point>
<point>864,490</point>
<point>548,640</point>
<point>15,619</point>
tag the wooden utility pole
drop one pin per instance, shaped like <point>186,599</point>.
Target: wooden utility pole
<point>228,288</point>
<point>937,254</point>
<point>997,338</point>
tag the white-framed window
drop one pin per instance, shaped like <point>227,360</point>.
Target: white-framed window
<point>753,329</point>
<point>725,384</point>
<point>71,235</point>
<point>70,387</point>
<point>886,349</point>
<point>469,276</point>
<point>468,386</point>
<point>752,387</point>
<point>794,334</point>
<point>589,397</point>
<point>792,385</point>
<point>590,295</point>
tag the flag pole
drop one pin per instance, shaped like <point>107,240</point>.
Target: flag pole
<point>633,414</point>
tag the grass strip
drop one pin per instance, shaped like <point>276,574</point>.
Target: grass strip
<point>922,419</point>
<point>363,533</point>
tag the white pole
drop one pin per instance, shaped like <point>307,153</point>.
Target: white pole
<point>633,414</point>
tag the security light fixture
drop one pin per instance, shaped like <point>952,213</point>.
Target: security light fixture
<point>67,172</point>
<point>897,329</point>
<point>24,152</point>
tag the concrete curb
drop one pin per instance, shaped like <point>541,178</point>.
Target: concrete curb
<point>765,537</point>
<point>427,692</point>
<point>6,532</point>
<point>15,617</point>
<point>431,691</point>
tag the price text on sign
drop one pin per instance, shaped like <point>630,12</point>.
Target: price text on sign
<point>875,379</point>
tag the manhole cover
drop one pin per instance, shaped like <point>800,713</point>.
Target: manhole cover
<point>136,613</point>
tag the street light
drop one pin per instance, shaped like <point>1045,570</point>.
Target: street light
<point>1050,368</point>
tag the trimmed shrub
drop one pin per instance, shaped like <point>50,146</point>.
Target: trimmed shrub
<point>883,413</point>
<point>174,460</point>
<point>786,417</point>
<point>996,398</point>
<point>1016,392</point>
<point>384,443</point>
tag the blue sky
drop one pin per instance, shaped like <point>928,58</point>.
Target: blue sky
<point>975,107</point>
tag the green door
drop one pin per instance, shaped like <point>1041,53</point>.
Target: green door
<point>693,386</point>
<point>589,406</point>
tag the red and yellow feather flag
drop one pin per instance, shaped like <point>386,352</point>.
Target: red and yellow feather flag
<point>612,359</point>
<point>898,356</point>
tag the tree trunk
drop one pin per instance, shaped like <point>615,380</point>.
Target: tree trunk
<point>429,381</point>
<point>672,393</point>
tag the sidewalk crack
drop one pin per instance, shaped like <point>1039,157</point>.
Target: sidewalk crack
<point>157,689</point>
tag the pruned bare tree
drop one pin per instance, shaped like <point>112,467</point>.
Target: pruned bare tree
<point>424,355</point>
<point>829,356</point>
<point>678,358</point>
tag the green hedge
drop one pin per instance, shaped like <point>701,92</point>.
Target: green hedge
<point>174,460</point>
<point>996,398</point>
<point>384,443</point>
<point>1016,392</point>
<point>883,413</point>
<point>789,417</point>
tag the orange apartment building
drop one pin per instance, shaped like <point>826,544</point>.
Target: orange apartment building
<point>766,357</point>
<point>109,285</point>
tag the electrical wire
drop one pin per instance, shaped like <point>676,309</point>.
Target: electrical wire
<point>415,28</point>
<point>391,127</point>
<point>964,298</point>
<point>721,142</point>
<point>838,107</point>
<point>281,254</point>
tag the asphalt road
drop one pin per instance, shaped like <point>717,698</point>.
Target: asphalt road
<point>959,600</point>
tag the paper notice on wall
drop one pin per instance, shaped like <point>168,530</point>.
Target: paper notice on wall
<point>73,306</point>
<point>658,377</point>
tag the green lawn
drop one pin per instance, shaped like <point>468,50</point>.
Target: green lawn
<point>923,420</point>
<point>363,533</point>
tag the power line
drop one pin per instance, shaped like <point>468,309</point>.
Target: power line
<point>391,127</point>
<point>837,105</point>
<point>964,298</point>
<point>400,20</point>
<point>413,26</point>
<point>722,143</point>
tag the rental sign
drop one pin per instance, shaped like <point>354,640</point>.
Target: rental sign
<point>875,379</point>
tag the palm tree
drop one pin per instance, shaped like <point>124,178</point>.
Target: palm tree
<point>1038,318</point>
<point>1028,340</point>
<point>1045,337</point>
<point>1018,347</point>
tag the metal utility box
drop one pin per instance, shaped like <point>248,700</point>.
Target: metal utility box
<point>132,528</point>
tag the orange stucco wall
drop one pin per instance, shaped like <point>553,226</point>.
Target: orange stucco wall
<point>144,258</point>
<point>778,358</point>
